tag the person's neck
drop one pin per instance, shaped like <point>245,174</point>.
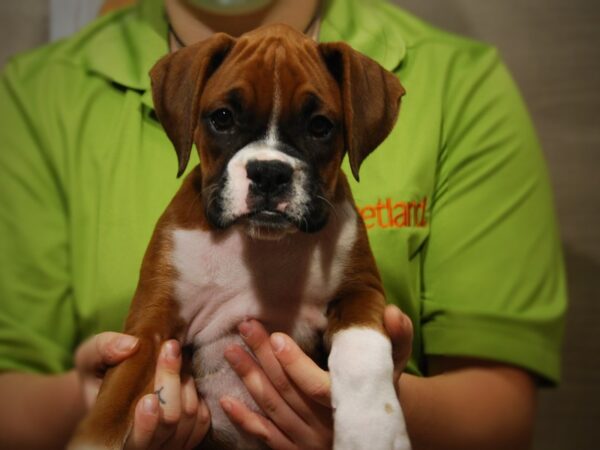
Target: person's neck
<point>192,24</point>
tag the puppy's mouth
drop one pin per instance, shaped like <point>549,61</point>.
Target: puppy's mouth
<point>267,224</point>
<point>269,218</point>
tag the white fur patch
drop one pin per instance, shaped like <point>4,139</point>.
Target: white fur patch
<point>226,276</point>
<point>367,413</point>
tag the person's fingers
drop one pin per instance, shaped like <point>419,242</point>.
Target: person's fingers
<point>312,381</point>
<point>201,426</point>
<point>95,355</point>
<point>104,350</point>
<point>167,388</point>
<point>400,330</point>
<point>256,425</point>
<point>90,389</point>
<point>187,421</point>
<point>263,392</point>
<point>173,424</point>
<point>258,340</point>
<point>317,416</point>
<point>189,397</point>
<point>145,422</point>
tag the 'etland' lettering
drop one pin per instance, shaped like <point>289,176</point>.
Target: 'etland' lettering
<point>391,214</point>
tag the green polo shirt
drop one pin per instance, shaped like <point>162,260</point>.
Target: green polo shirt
<point>456,201</point>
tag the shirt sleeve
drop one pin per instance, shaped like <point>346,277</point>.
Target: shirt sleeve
<point>36,308</point>
<point>493,274</point>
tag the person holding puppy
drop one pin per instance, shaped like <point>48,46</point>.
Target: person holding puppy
<point>456,202</point>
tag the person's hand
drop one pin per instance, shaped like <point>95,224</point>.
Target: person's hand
<point>292,391</point>
<point>96,355</point>
<point>171,417</point>
<point>399,326</point>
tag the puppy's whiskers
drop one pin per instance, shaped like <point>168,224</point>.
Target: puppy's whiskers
<point>330,205</point>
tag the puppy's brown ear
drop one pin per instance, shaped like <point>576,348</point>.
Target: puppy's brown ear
<point>177,82</point>
<point>371,99</point>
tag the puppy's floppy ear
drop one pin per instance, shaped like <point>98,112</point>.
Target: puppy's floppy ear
<point>177,82</point>
<point>371,99</point>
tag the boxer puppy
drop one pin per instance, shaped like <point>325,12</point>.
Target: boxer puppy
<point>266,228</point>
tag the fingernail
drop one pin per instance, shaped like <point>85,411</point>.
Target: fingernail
<point>277,342</point>
<point>126,343</point>
<point>395,310</point>
<point>245,328</point>
<point>232,357</point>
<point>172,350</point>
<point>405,321</point>
<point>150,405</point>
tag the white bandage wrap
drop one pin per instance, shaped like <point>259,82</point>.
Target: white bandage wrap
<point>367,413</point>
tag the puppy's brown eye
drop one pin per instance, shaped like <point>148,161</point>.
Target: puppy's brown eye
<point>222,120</point>
<point>320,127</point>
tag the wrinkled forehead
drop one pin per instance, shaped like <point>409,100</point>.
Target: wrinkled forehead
<point>273,70</point>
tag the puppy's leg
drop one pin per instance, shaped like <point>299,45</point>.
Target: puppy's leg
<point>153,319</point>
<point>367,413</point>
<point>110,420</point>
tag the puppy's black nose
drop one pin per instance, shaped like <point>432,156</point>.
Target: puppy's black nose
<point>269,177</point>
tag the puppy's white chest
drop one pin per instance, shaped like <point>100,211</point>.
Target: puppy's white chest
<point>225,277</point>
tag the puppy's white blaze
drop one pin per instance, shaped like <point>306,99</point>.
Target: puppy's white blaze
<point>276,110</point>
<point>271,137</point>
<point>367,412</point>
<point>237,185</point>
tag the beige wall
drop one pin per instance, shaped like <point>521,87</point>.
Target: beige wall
<point>553,50</point>
<point>23,25</point>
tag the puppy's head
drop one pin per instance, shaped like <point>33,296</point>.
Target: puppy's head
<point>272,114</point>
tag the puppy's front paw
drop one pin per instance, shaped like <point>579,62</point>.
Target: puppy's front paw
<point>367,412</point>
<point>378,425</point>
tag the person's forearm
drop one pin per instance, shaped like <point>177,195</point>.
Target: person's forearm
<point>38,411</point>
<point>478,408</point>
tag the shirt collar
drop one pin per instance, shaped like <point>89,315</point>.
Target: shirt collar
<point>364,25</point>
<point>360,23</point>
<point>142,38</point>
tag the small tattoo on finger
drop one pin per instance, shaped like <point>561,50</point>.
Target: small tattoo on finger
<point>160,399</point>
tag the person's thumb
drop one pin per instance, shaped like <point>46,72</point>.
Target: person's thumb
<point>400,329</point>
<point>103,350</point>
